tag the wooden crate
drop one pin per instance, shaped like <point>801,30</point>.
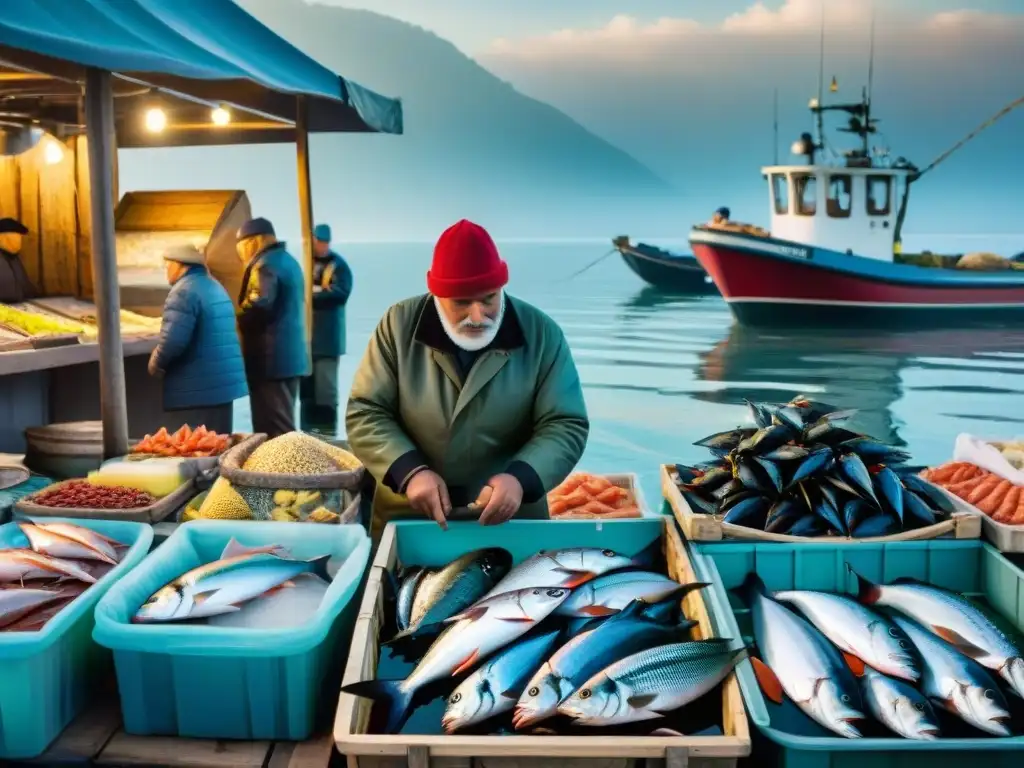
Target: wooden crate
<point>365,750</point>
<point>698,526</point>
<point>630,481</point>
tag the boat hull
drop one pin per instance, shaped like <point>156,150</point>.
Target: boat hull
<point>771,282</point>
<point>670,272</point>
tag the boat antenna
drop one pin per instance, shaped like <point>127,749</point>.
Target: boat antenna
<point>821,78</point>
<point>871,53</point>
<point>775,118</point>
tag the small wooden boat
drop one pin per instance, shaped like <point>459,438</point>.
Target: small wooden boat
<point>667,271</point>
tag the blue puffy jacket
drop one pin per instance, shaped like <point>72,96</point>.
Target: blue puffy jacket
<point>199,351</point>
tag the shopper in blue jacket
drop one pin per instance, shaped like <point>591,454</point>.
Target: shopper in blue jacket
<point>198,357</point>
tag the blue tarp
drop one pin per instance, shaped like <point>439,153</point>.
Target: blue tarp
<point>189,45</point>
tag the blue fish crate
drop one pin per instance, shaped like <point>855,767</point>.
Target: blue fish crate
<point>48,677</point>
<point>790,739</point>
<point>199,681</point>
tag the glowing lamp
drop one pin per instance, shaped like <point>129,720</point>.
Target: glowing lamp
<point>53,152</point>
<point>156,120</point>
<point>220,116</point>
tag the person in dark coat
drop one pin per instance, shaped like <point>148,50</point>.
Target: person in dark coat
<point>198,357</point>
<point>272,321</point>
<point>332,285</point>
<point>15,285</point>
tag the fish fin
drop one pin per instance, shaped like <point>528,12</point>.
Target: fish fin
<point>399,637</point>
<point>475,613</point>
<point>318,567</point>
<point>907,580</point>
<point>389,693</point>
<point>855,664</point>
<point>641,702</point>
<point>512,693</point>
<point>868,593</point>
<point>635,608</point>
<point>523,619</point>
<point>201,597</point>
<point>278,588</point>
<point>235,548</point>
<point>958,641</point>
<point>467,663</point>
<point>576,577</point>
<point>597,610</point>
<point>769,683</point>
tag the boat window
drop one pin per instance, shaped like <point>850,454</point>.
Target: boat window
<point>879,195</point>
<point>780,193</point>
<point>839,196</point>
<point>805,190</point>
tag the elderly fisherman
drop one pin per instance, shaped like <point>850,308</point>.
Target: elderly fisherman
<point>466,398</point>
<point>198,356</point>
<point>272,321</point>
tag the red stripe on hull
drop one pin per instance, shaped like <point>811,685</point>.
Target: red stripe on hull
<point>742,275</point>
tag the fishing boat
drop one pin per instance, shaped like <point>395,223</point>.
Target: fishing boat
<point>666,271</point>
<point>833,253</point>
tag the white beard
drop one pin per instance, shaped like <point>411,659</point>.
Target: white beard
<point>475,342</point>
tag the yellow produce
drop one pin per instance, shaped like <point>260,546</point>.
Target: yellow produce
<point>323,515</point>
<point>37,325</point>
<point>291,454</point>
<point>158,477</point>
<point>224,503</point>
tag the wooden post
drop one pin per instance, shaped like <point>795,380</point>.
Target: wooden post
<point>305,211</point>
<point>99,122</point>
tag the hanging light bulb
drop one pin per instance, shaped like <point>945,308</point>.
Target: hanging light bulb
<point>220,116</point>
<point>53,152</point>
<point>156,120</point>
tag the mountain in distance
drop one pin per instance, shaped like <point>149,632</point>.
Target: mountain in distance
<point>473,147</point>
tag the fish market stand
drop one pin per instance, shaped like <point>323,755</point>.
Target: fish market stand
<point>425,544</point>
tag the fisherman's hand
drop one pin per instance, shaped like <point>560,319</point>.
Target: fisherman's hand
<point>152,367</point>
<point>428,495</point>
<point>501,499</point>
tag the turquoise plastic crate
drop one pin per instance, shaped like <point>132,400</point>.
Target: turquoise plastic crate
<point>970,567</point>
<point>47,677</point>
<point>200,681</point>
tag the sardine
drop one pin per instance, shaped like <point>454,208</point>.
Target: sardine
<point>19,565</point>
<point>17,603</point>
<point>957,683</point>
<point>854,629</point>
<point>70,541</point>
<point>406,596</point>
<point>472,636</point>
<point>222,586</point>
<point>587,654</point>
<point>496,686</point>
<point>609,594</point>
<point>798,660</point>
<point>651,683</point>
<point>899,706</point>
<point>953,618</point>
<point>560,568</point>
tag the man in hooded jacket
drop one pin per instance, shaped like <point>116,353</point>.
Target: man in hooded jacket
<point>467,401</point>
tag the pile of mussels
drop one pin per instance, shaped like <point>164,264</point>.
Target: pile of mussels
<point>800,472</point>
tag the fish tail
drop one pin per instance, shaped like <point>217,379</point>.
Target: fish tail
<point>390,694</point>
<point>868,592</point>
<point>752,588</point>
<point>318,567</point>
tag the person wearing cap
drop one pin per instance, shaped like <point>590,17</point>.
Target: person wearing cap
<point>467,398</point>
<point>272,322</point>
<point>720,217</point>
<point>15,285</point>
<point>198,357</point>
<point>332,285</point>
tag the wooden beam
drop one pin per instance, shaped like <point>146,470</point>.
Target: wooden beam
<point>305,212</point>
<point>99,119</point>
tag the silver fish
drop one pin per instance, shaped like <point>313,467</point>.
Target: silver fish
<point>560,568</point>
<point>70,541</point>
<point>607,595</point>
<point>406,595</point>
<point>470,637</point>
<point>651,683</point>
<point>957,683</point>
<point>17,603</point>
<point>18,565</point>
<point>856,630</point>
<point>953,618</point>
<point>496,685</point>
<point>807,667</point>
<point>898,706</point>
<point>240,574</point>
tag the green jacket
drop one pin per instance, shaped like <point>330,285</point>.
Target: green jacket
<point>519,411</point>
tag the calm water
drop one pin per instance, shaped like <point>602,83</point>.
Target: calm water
<point>660,372</point>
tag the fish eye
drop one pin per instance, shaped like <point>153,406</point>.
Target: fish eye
<point>535,691</point>
<point>585,693</point>
<point>456,698</point>
<point>893,632</point>
<point>556,592</point>
<point>845,699</point>
<point>919,706</point>
<point>988,694</point>
<point>608,552</point>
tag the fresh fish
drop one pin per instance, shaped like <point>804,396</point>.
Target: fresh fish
<point>799,661</point>
<point>855,511</point>
<point>827,508</point>
<point>18,565</point>
<point>879,525</point>
<point>854,471</point>
<point>769,470</point>
<point>855,630</point>
<point>890,492</point>
<point>953,618</point>
<point>712,480</point>
<point>687,474</point>
<point>651,683</point>
<point>489,625</point>
<point>406,595</point>
<point>761,413</point>
<point>899,706</point>
<point>786,453</point>
<point>70,541</point>
<point>818,460</point>
<point>612,592</point>
<point>452,589</point>
<point>765,440</point>
<point>496,686</point>
<point>751,512</point>
<point>915,509</point>
<point>17,603</point>
<point>725,441</point>
<point>957,683</point>
<point>698,503</point>
<point>587,654</point>
<point>874,452</point>
<point>782,515</point>
<point>935,497</point>
<point>240,574</point>
<point>560,568</point>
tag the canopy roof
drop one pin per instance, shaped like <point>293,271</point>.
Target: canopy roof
<point>206,51</point>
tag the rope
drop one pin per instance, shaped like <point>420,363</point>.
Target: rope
<point>992,120</point>
<point>594,263</point>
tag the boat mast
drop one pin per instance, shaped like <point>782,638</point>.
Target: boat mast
<point>775,124</point>
<point>820,122</point>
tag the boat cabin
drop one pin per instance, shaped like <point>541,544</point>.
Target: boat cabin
<point>846,209</point>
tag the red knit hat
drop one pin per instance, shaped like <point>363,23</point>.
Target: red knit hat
<point>466,263</point>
